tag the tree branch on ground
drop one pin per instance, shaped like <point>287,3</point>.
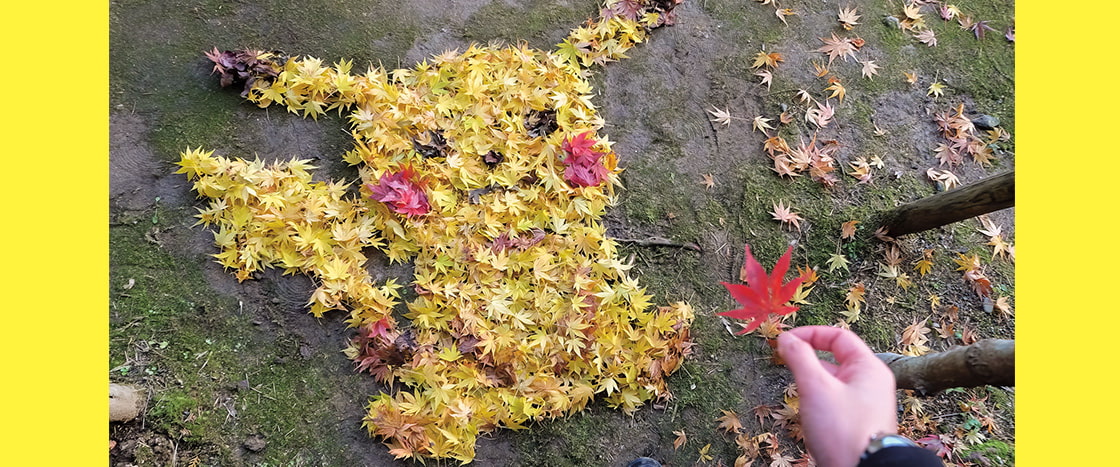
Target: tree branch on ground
<point>986,362</point>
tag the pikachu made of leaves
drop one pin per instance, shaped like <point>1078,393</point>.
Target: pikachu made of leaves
<point>484,169</point>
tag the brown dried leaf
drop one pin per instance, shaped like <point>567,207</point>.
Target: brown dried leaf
<point>914,339</point>
<point>803,96</point>
<point>781,13</point>
<point>893,255</point>
<point>729,422</point>
<point>720,116</point>
<point>820,116</point>
<point>881,235</point>
<point>785,215</point>
<point>838,47</point>
<point>944,178</point>
<point>762,124</point>
<point>1004,307</point>
<point>968,335</point>
<point>763,412</point>
<point>848,18</point>
<point>767,78</point>
<point>869,69</point>
<point>927,37</point>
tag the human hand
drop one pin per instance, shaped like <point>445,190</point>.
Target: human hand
<point>844,404</point>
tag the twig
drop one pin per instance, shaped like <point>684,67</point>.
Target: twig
<point>266,396</point>
<point>660,241</point>
<point>144,413</point>
<point>204,364</point>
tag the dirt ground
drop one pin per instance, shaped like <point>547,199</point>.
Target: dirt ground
<point>240,374</point>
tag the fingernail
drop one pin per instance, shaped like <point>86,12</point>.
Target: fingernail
<point>788,335</point>
<point>785,340</point>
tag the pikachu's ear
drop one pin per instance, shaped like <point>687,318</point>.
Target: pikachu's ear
<point>621,25</point>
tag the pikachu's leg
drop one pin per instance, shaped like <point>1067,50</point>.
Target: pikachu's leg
<point>275,215</point>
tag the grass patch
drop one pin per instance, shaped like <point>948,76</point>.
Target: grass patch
<point>995,451</point>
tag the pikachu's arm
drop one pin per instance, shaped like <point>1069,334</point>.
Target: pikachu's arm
<point>302,85</point>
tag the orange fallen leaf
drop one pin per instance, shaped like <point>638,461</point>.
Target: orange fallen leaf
<point>681,439</point>
<point>708,181</point>
<point>768,60</point>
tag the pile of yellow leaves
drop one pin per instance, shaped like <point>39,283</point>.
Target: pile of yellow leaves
<point>524,310</point>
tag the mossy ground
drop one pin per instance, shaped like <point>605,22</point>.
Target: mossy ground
<point>220,370</point>
<point>227,361</point>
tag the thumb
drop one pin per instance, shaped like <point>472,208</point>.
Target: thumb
<point>802,360</point>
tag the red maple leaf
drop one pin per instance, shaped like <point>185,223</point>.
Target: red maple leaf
<point>401,193</point>
<point>941,444</point>
<point>583,163</point>
<point>382,329</point>
<point>762,295</point>
<point>580,150</point>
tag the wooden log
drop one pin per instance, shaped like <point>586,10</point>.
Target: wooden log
<point>988,195</point>
<point>985,362</point>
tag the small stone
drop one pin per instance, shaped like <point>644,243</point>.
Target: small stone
<point>986,122</point>
<point>243,385</point>
<point>891,21</point>
<point>255,443</point>
<point>125,402</point>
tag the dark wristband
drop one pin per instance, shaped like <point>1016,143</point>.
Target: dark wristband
<point>901,456</point>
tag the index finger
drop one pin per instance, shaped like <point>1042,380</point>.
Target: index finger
<point>845,345</point>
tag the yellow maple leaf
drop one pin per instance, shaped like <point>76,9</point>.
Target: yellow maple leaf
<point>936,89</point>
<point>837,89</point>
<point>768,60</point>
